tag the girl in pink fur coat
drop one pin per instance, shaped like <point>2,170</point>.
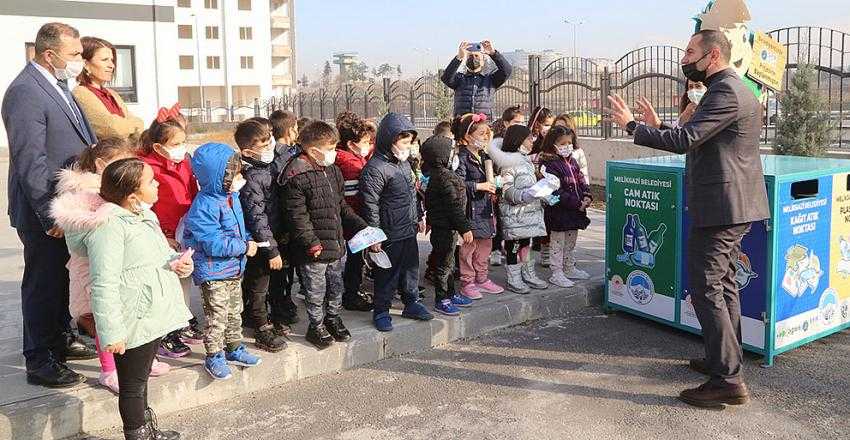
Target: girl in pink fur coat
<point>76,208</point>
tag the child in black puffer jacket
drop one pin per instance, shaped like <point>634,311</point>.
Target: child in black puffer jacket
<point>263,280</point>
<point>315,211</point>
<point>445,203</point>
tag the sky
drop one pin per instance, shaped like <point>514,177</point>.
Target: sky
<point>425,34</point>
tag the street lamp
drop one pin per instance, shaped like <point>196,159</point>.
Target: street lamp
<point>575,24</point>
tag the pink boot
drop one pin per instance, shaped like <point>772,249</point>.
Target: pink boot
<point>490,287</point>
<point>109,379</point>
<point>159,368</point>
<point>471,291</point>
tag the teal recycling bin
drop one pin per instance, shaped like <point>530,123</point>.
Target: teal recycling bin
<point>793,273</point>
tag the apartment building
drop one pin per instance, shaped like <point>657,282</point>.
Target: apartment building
<point>169,50</point>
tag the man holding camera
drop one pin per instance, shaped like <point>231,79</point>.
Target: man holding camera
<point>473,89</point>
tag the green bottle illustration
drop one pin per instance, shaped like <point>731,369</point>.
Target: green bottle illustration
<point>656,238</point>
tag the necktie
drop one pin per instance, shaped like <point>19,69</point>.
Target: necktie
<point>63,84</point>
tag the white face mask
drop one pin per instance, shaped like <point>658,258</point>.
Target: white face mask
<point>177,154</point>
<point>365,151</point>
<point>237,185</point>
<point>267,156</point>
<point>72,70</point>
<point>400,154</point>
<point>565,150</point>
<point>328,158</point>
<point>544,129</point>
<point>144,205</point>
<point>695,95</point>
<point>455,162</point>
<point>524,150</point>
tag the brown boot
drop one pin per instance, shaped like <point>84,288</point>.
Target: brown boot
<point>699,365</point>
<point>716,395</point>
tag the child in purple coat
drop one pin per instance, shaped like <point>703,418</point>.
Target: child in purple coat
<point>567,210</point>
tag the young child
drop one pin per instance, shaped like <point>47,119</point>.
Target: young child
<point>511,116</point>
<point>568,121</point>
<point>284,312</point>
<point>263,272</point>
<point>215,229</point>
<point>352,153</point>
<point>389,202</point>
<point>445,202</point>
<point>315,211</point>
<point>135,290</point>
<point>473,136</point>
<point>521,213</point>
<point>443,128</point>
<point>540,123</point>
<point>163,147</point>
<point>568,214</point>
<point>77,209</point>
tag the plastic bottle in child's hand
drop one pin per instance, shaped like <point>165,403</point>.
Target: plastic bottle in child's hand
<point>552,199</point>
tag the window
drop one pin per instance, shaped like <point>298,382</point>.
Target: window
<point>211,4</point>
<point>213,63</point>
<point>124,77</point>
<point>244,5</point>
<point>184,31</point>
<point>247,62</point>
<point>187,62</point>
<point>212,32</point>
<point>246,33</point>
<point>184,3</point>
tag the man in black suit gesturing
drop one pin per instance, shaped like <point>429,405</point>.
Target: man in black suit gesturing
<point>726,192</point>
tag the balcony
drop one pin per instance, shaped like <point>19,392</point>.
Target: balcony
<point>281,80</point>
<point>281,51</point>
<point>280,22</point>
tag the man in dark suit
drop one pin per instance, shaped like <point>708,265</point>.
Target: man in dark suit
<point>726,192</point>
<point>47,131</point>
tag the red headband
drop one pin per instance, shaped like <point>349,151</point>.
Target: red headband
<point>166,114</point>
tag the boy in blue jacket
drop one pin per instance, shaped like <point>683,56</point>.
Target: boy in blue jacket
<point>215,229</point>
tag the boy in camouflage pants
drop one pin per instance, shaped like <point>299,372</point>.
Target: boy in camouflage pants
<point>215,229</point>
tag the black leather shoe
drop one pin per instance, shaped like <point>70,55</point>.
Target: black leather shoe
<point>318,335</point>
<point>337,329</point>
<point>709,395</point>
<point>359,303</point>
<point>76,349</point>
<point>54,375</point>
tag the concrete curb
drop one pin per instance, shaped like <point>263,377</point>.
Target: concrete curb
<point>86,408</point>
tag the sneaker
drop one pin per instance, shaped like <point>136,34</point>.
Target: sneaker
<point>490,287</point>
<point>416,311</point>
<point>159,368</point>
<point>319,336</point>
<point>337,329</point>
<point>172,347</point>
<point>495,258</point>
<point>460,300</point>
<point>189,336</point>
<point>281,329</point>
<point>447,308</point>
<point>383,321</point>
<point>576,274</point>
<point>109,380</point>
<point>240,356</point>
<point>266,339</point>
<point>560,280</point>
<point>359,302</point>
<point>471,291</point>
<point>216,366</point>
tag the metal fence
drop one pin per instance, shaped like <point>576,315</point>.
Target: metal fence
<point>579,86</point>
